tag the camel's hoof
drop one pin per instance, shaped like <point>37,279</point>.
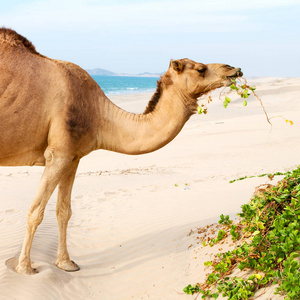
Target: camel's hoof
<point>26,270</point>
<point>67,265</point>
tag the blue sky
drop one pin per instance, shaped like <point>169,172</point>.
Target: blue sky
<point>133,36</point>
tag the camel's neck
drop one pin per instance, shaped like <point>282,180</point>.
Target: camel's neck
<point>128,133</point>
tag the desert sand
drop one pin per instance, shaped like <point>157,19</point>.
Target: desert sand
<point>132,215</point>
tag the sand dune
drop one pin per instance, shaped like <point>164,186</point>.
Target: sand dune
<point>132,215</point>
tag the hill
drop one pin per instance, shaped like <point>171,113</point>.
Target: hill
<point>103,72</point>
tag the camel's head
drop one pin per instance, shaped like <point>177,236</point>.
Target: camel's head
<point>195,79</point>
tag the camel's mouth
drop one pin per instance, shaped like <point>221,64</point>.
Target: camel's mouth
<point>235,74</point>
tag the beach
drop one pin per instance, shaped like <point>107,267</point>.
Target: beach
<point>133,219</point>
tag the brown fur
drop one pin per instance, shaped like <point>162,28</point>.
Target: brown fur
<point>162,84</point>
<point>14,39</point>
<point>78,118</point>
<point>77,124</point>
<point>79,111</point>
<point>155,98</point>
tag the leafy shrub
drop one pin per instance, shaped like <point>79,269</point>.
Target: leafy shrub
<point>271,223</point>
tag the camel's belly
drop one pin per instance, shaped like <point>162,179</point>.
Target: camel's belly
<point>34,158</point>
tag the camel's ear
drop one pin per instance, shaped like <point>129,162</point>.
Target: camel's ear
<point>177,65</point>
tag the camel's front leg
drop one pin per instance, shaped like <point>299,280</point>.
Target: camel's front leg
<point>54,169</point>
<point>63,213</point>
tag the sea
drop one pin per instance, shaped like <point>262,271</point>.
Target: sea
<point>119,85</point>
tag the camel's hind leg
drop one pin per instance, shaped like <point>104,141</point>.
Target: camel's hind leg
<point>63,213</point>
<point>54,169</point>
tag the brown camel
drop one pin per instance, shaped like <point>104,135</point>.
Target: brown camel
<point>52,113</point>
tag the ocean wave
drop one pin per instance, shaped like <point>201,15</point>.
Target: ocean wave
<point>118,85</point>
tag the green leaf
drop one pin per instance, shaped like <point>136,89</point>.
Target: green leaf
<point>199,110</point>
<point>294,255</point>
<point>245,103</point>
<point>258,276</point>
<point>227,99</point>
<point>260,225</point>
<point>225,103</point>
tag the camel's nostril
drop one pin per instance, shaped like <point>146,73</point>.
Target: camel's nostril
<point>239,73</point>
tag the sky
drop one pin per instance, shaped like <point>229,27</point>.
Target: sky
<point>134,36</point>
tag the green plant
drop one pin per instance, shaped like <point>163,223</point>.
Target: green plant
<point>224,220</point>
<point>271,224</point>
<point>221,235</point>
<point>271,176</point>
<point>241,87</point>
<point>234,233</point>
<point>191,289</point>
<point>238,85</point>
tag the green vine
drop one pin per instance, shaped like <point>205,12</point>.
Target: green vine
<point>269,235</point>
<point>270,176</point>
<point>244,90</point>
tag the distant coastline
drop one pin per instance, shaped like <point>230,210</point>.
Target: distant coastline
<point>103,72</point>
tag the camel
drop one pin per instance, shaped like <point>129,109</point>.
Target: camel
<point>52,113</point>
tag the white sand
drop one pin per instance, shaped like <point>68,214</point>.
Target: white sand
<point>130,223</point>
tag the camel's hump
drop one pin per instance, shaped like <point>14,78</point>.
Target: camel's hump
<point>14,39</point>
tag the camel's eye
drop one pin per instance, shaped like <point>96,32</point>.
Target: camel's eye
<point>201,71</point>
